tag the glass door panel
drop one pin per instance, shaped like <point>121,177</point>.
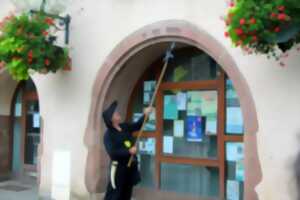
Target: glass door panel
<point>32,136</point>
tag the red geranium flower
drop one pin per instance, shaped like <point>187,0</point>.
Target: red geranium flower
<point>49,21</point>
<point>45,33</point>
<point>281,16</point>
<point>242,21</point>
<point>273,15</point>
<point>277,29</point>
<point>30,54</point>
<point>281,8</point>
<point>239,31</point>
<point>226,34</point>
<point>254,38</point>
<point>47,62</point>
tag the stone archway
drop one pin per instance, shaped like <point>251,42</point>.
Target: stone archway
<point>169,30</point>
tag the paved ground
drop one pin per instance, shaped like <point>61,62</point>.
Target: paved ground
<point>16,190</point>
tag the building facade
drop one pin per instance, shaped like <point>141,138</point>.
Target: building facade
<point>225,125</point>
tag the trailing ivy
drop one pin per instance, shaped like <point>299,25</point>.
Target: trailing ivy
<point>26,45</point>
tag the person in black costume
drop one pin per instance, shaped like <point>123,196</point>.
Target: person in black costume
<point>119,144</point>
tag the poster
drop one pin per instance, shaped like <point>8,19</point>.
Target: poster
<point>168,143</point>
<point>194,103</point>
<point>36,120</point>
<point>179,74</point>
<point>240,170</point>
<point>234,120</point>
<point>178,128</point>
<point>230,91</point>
<point>181,98</point>
<point>194,129</point>
<point>147,146</point>
<point>232,190</point>
<point>142,146</point>
<point>170,107</point>
<point>195,96</point>
<point>209,103</point>
<point>194,109</point>
<point>149,88</point>
<point>150,124</point>
<point>147,98</point>
<point>150,146</point>
<point>234,151</point>
<point>211,125</point>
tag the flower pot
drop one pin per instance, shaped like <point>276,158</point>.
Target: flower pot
<point>288,32</point>
<point>43,71</point>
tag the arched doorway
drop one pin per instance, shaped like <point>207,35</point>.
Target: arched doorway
<point>25,131</point>
<point>116,71</point>
<point>187,146</point>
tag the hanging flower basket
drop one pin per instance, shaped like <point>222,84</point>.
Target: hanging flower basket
<point>264,26</point>
<point>27,46</point>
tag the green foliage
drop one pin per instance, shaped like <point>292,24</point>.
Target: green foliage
<point>25,46</point>
<point>263,26</point>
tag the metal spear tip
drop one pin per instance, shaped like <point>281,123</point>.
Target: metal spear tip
<point>173,46</point>
<point>169,54</point>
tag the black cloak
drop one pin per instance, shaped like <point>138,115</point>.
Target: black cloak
<point>117,144</point>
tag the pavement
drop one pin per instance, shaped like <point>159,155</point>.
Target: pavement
<point>17,190</point>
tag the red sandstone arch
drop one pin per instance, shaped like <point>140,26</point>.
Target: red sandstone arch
<point>169,30</point>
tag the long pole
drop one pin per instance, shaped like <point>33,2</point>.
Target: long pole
<point>166,59</point>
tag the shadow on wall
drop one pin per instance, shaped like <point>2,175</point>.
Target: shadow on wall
<point>297,171</point>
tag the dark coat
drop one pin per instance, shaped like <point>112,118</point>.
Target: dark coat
<point>117,144</point>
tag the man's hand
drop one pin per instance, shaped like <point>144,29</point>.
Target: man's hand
<point>132,150</point>
<point>148,110</point>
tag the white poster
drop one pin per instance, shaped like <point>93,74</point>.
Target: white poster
<point>36,120</point>
<point>147,146</point>
<point>61,176</point>
<point>142,146</point>
<point>232,190</point>
<point>150,146</point>
<point>234,151</point>
<point>211,126</point>
<point>168,144</point>
<point>234,120</point>
<point>178,128</point>
<point>181,100</point>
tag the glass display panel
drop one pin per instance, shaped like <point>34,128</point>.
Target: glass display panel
<point>235,170</point>
<point>142,99</point>
<point>190,123</point>
<point>191,65</point>
<point>146,159</point>
<point>191,180</point>
<point>234,117</point>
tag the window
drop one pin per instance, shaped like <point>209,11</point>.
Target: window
<point>193,143</point>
